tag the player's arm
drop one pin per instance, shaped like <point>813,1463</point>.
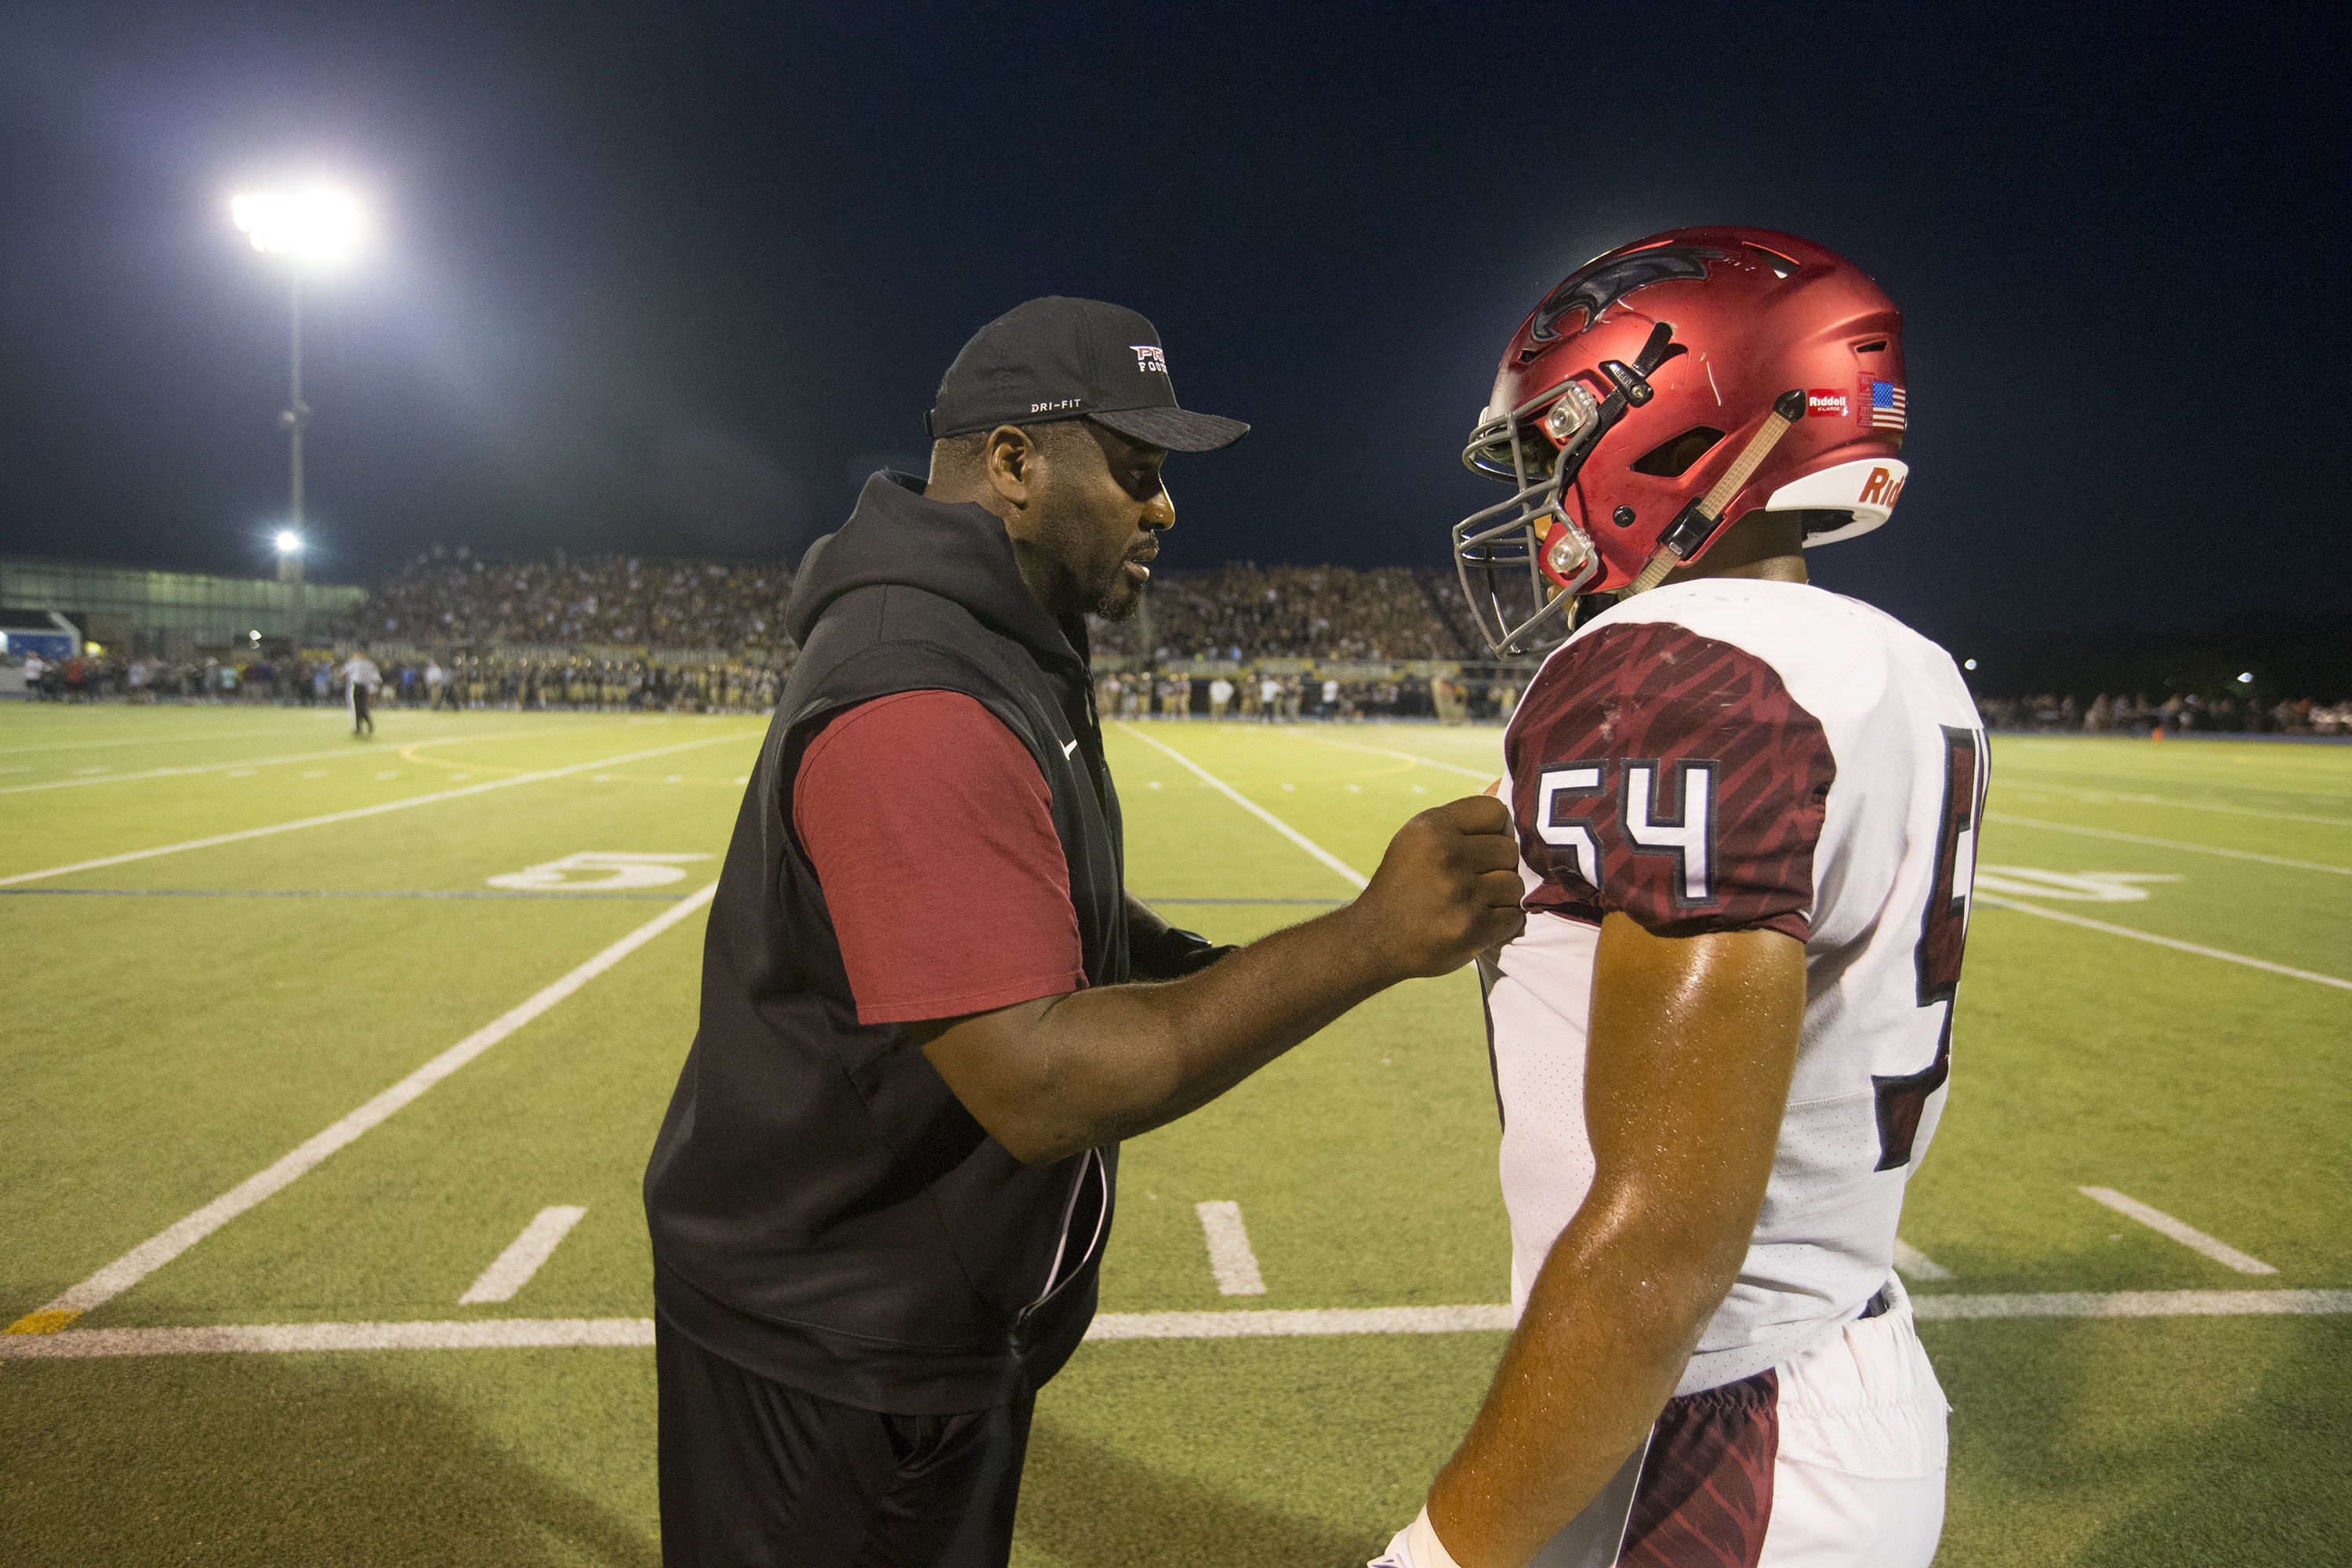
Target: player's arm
<point>1050,1077</point>
<point>1692,1044</point>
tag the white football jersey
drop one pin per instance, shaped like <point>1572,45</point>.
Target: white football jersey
<point>1732,754</point>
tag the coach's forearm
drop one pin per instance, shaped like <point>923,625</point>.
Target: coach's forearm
<point>1610,1325</point>
<point>1123,1059</point>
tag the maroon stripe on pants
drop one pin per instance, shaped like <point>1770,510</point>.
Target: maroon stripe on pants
<point>1707,1488</point>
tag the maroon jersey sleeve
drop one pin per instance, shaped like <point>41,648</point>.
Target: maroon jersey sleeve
<point>932,834</point>
<point>1670,776</point>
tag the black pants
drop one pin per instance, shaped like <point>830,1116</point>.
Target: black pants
<point>360,717</point>
<point>755,1474</point>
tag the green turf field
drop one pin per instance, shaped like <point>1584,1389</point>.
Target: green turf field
<point>204,971</point>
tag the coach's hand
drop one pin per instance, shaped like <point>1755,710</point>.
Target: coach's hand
<point>1448,886</point>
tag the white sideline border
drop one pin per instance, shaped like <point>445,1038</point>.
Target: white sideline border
<point>362,810</point>
<point>534,1333</point>
<point>168,1244</point>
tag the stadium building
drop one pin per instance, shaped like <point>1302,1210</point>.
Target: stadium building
<point>58,607</point>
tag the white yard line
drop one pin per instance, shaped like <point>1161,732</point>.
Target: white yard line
<point>2102,797</point>
<point>521,1260</point>
<point>1230,1258</point>
<point>1482,774</point>
<point>2163,843</point>
<point>1917,1264</point>
<point>1347,873</point>
<point>358,812</point>
<point>141,740</point>
<point>530,1333</point>
<point>2260,964</point>
<point>153,1254</point>
<point>342,751</point>
<point>2189,1236</point>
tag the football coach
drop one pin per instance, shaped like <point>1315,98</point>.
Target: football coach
<point>930,1009</point>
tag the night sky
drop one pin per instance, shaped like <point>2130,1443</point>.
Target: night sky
<point>672,279</point>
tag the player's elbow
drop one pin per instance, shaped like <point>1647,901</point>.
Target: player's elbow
<point>1686,1257</point>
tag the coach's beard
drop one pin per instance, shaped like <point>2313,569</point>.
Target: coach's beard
<point>1123,595</point>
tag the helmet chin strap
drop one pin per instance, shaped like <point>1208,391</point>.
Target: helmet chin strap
<point>1697,523</point>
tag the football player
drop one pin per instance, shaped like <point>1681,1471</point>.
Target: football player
<point>1746,811</point>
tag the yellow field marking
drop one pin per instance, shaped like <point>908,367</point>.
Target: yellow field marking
<point>408,754</point>
<point>45,1321</point>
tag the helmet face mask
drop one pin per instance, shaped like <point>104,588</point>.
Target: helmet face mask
<point>1722,327</point>
<point>1516,596</point>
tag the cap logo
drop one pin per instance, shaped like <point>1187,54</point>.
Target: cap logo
<point>1149,357</point>
<point>1058,404</point>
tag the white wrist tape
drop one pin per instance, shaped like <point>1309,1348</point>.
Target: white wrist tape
<point>1428,1552</point>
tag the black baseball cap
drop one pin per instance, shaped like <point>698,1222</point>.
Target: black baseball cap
<point>1058,358</point>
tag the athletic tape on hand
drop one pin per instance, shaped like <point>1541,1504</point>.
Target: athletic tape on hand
<point>1416,1546</point>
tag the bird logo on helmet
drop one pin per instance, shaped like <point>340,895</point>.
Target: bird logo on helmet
<point>1712,373</point>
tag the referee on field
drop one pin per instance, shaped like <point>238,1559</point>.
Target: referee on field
<point>361,681</point>
<point>881,1195</point>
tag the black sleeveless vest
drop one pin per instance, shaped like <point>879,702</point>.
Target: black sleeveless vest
<point>823,1210</point>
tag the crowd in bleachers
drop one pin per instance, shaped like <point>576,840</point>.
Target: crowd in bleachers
<point>610,632</point>
<point>617,600</point>
<point>2176,715</point>
<point>1247,611</point>
<point>1242,611</point>
<point>485,680</point>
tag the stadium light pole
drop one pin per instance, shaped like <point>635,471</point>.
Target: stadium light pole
<point>312,227</point>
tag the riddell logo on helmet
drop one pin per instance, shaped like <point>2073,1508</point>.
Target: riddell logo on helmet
<point>1879,490</point>
<point>1828,402</point>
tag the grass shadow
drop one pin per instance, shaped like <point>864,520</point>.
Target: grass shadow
<point>1086,1506</point>
<point>288,1458</point>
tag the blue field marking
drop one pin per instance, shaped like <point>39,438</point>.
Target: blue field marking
<point>323,893</point>
<point>1326,903</point>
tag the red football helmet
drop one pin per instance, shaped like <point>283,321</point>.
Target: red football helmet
<point>1664,390</point>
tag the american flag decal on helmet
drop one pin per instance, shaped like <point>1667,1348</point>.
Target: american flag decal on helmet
<point>1882,405</point>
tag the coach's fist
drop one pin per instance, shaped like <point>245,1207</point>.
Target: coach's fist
<point>1448,886</point>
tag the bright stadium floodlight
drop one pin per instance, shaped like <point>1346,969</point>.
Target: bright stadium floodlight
<point>315,226</point>
<point>312,227</point>
<point>2247,679</point>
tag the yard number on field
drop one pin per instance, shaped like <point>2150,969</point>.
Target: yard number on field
<point>605,870</point>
